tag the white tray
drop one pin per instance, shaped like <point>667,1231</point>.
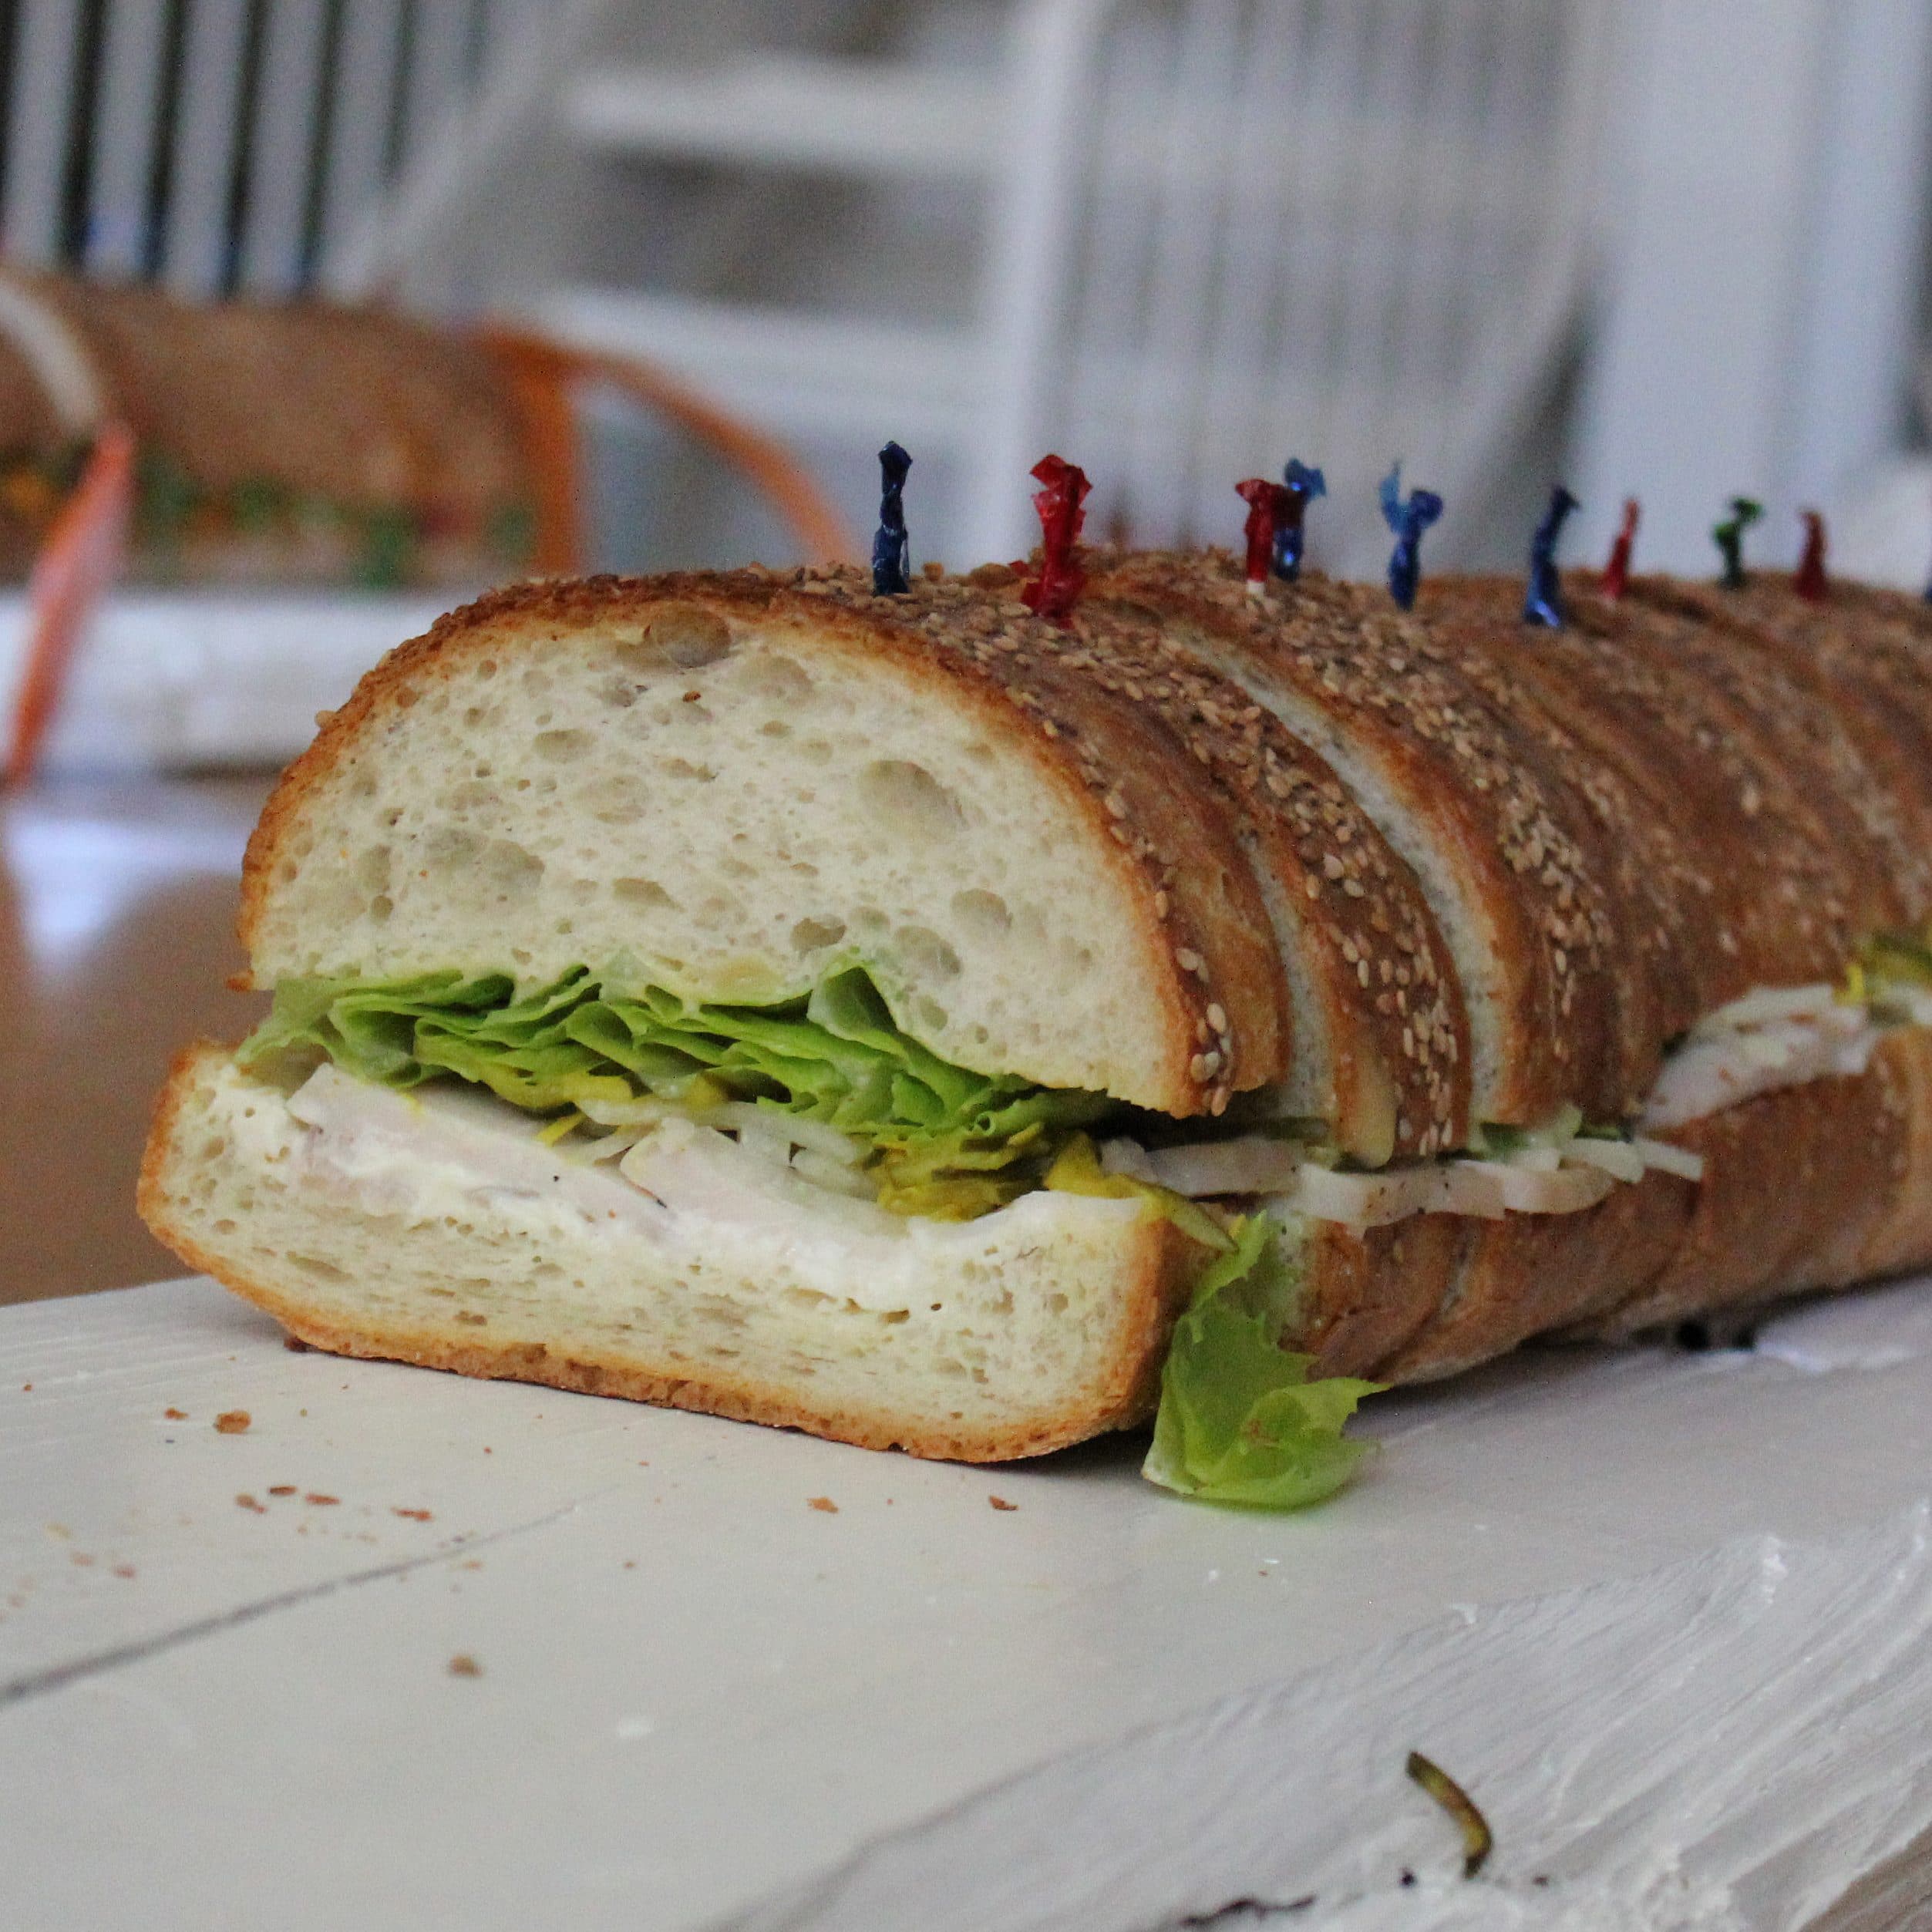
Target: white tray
<point>701,1699</point>
<point>174,679</point>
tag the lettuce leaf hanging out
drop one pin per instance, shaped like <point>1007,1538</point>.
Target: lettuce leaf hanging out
<point>947,1142</point>
<point>1239,1420</point>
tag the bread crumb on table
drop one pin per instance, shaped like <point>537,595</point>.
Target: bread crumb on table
<point>281,1489</point>
<point>1000,1502</point>
<point>246,1502</point>
<point>175,1414</point>
<point>463,1664</point>
<point>232,1421</point>
<point>414,1516</point>
<point>824,1502</point>
<point>313,1497</point>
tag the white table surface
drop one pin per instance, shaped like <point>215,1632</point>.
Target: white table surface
<point>696,1694</point>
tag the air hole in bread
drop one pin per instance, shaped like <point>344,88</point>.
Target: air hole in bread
<point>381,906</point>
<point>372,868</point>
<point>683,768</point>
<point>775,728</point>
<point>925,953</point>
<point>682,636</point>
<point>314,1264</point>
<point>814,935</point>
<point>930,1013</point>
<point>640,892</point>
<point>983,915</point>
<point>561,746</point>
<point>780,678</point>
<point>912,801</point>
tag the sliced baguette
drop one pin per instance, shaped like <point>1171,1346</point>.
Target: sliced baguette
<point>1495,839</point>
<point>733,788</point>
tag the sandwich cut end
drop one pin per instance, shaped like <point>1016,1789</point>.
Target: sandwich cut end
<point>677,785</point>
<point>417,1233</point>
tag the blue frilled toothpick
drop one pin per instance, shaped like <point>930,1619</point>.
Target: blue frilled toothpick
<point>1408,519</point>
<point>1542,602</point>
<point>1303,484</point>
<point>891,547</point>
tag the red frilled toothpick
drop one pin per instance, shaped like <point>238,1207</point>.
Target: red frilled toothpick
<point>1268,503</point>
<point>1810,582</point>
<point>1061,502</point>
<point>1616,579</point>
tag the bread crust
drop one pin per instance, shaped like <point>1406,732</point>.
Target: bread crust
<point>1391,1006</point>
<point>1651,872</point>
<point>1152,1289</point>
<point>1795,1184</point>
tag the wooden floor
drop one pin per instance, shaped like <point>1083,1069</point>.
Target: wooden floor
<point>116,935</point>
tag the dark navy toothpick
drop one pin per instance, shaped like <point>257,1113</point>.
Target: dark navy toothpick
<point>1542,602</point>
<point>1408,519</point>
<point>1304,484</point>
<point>891,547</point>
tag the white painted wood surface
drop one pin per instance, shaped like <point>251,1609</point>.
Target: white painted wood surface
<point>696,1693</point>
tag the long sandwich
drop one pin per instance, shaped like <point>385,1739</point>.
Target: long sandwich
<point>922,1023</point>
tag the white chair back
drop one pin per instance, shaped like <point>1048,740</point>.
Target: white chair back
<point>224,146</point>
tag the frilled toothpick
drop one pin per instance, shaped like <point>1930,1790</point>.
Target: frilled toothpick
<point>1810,582</point>
<point>891,547</point>
<point>1303,484</point>
<point>1268,504</point>
<point>1060,500</point>
<point>1408,519</point>
<point>1729,535</point>
<point>1616,579</point>
<point>1542,601</point>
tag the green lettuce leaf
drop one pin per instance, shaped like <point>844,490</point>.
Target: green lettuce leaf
<point>945,1141</point>
<point>1240,1421</point>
